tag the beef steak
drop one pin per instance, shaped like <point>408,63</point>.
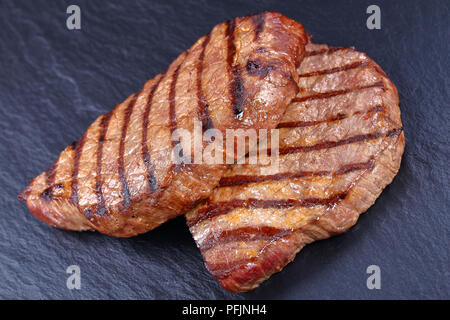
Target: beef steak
<point>119,179</point>
<point>341,143</point>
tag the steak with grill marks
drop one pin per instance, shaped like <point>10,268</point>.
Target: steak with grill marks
<point>341,143</point>
<point>119,178</point>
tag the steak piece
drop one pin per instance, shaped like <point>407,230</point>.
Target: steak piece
<point>119,178</point>
<point>341,143</point>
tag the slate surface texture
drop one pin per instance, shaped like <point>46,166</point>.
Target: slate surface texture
<point>54,82</point>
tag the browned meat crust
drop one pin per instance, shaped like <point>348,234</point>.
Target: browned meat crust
<point>119,179</point>
<point>341,143</point>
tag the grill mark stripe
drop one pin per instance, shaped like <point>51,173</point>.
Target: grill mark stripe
<point>235,86</point>
<point>100,210</point>
<point>244,234</point>
<point>153,184</point>
<point>172,111</point>
<point>334,118</point>
<point>47,193</point>
<point>50,175</point>
<point>324,51</point>
<point>121,165</point>
<point>76,167</point>
<point>301,124</point>
<point>203,108</point>
<point>394,132</point>
<point>240,180</point>
<point>354,65</point>
<point>223,207</point>
<point>259,22</point>
<point>347,168</point>
<point>172,108</point>
<point>329,94</point>
<point>334,144</point>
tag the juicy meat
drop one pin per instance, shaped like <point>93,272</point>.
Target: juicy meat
<point>341,143</point>
<point>120,179</point>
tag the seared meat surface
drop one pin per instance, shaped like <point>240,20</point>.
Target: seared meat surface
<point>119,178</point>
<point>341,143</point>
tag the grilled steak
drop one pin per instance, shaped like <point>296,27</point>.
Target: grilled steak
<point>341,143</point>
<point>119,179</point>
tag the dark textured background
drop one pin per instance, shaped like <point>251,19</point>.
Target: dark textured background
<point>55,82</point>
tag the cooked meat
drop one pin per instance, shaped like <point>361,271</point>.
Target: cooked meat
<point>341,143</point>
<point>120,179</point>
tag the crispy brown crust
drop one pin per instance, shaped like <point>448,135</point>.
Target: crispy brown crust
<point>252,239</point>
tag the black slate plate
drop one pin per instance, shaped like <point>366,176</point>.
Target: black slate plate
<point>54,82</point>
